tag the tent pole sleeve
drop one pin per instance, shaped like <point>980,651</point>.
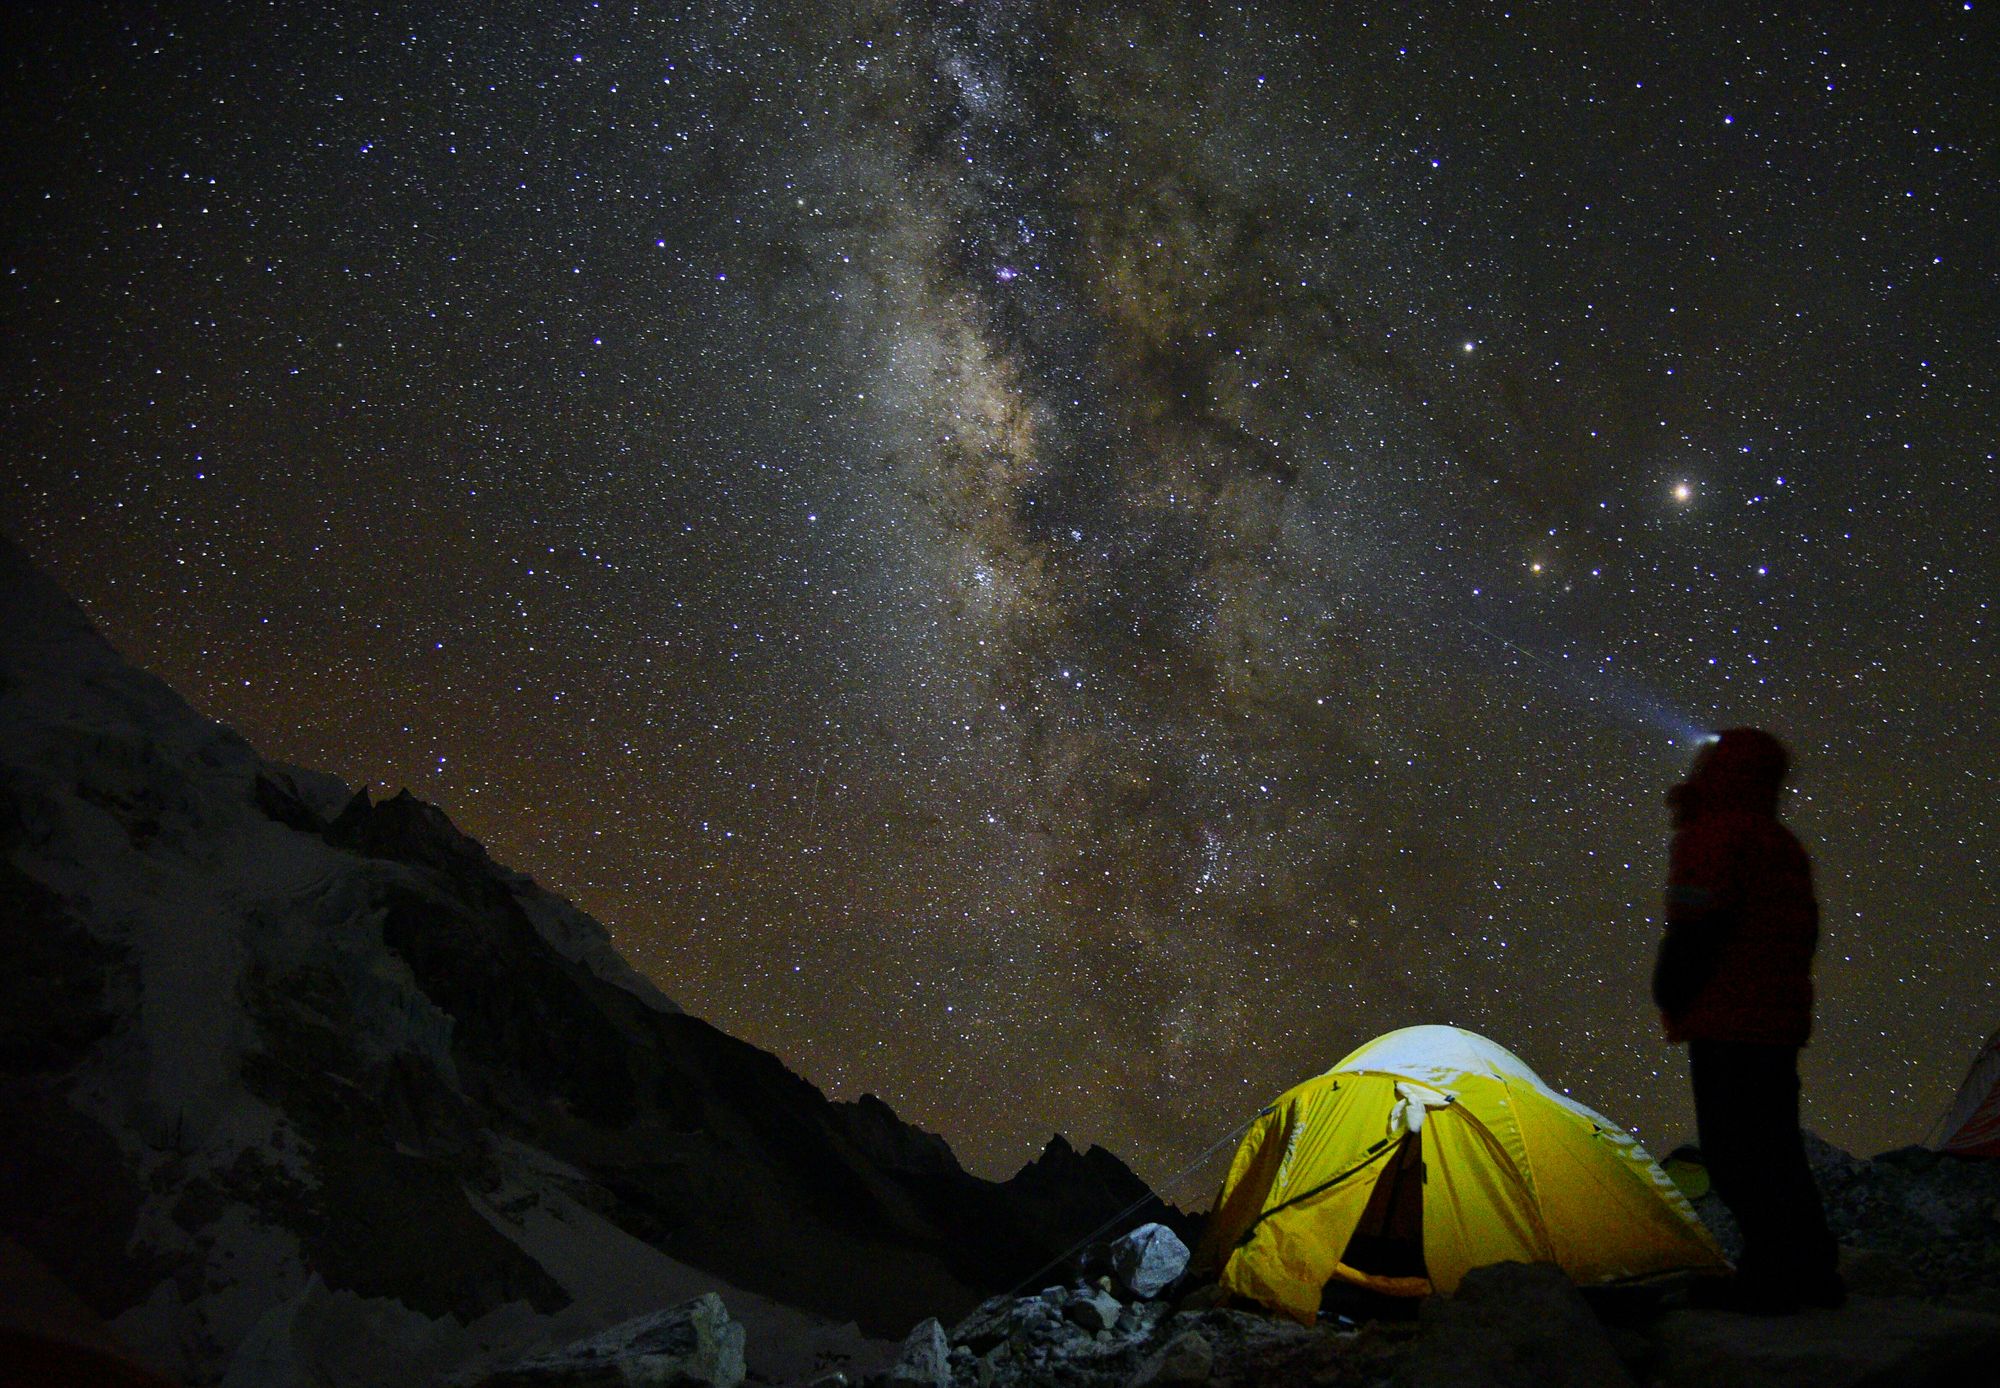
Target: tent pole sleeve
<point>1376,1153</point>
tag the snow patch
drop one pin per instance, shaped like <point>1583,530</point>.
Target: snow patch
<point>582,940</point>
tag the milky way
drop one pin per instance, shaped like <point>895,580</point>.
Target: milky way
<point>1065,566</point>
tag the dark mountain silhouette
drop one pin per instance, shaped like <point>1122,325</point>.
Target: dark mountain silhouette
<point>300,1082</point>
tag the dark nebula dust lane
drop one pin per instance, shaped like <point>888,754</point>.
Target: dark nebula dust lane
<point>1064,566</point>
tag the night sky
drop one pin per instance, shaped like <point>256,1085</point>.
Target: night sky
<point>1062,566</point>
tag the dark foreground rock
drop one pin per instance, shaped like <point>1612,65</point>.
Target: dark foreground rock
<point>1869,1343</point>
<point>1512,1325</point>
<point>1101,1334</point>
<point>1188,1358</point>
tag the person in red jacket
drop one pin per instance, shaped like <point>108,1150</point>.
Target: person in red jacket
<point>1734,981</point>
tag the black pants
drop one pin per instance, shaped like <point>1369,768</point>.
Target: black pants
<point>1746,1107</point>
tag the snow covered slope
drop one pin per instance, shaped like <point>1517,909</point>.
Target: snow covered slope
<point>307,1084</point>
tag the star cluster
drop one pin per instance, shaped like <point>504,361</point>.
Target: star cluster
<point>1065,566</point>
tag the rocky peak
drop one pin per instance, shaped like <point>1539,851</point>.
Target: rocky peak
<point>875,1129</point>
<point>405,829</point>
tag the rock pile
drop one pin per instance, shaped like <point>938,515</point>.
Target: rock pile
<point>1120,1329</point>
<point>1090,1332</point>
<point>1041,1342</point>
<point>1910,1221</point>
<point>693,1345</point>
<point>1507,1326</point>
<point>1937,1216</point>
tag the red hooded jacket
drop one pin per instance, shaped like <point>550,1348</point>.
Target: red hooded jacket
<point>1742,921</point>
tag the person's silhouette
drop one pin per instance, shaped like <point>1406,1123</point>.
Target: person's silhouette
<point>1734,981</point>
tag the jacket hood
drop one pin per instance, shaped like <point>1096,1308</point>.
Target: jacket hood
<point>1741,769</point>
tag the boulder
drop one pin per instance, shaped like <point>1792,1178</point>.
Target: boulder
<point>1186,1359</point>
<point>1512,1325</point>
<point>925,1360</point>
<point>692,1345</point>
<point>985,1325</point>
<point>1148,1259</point>
<point>1870,1342</point>
<point>1094,1309</point>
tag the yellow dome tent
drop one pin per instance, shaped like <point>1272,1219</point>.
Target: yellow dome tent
<point>1429,1152</point>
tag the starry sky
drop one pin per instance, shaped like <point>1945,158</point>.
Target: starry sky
<point>1065,565</point>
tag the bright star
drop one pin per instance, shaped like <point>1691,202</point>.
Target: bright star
<point>1683,492</point>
